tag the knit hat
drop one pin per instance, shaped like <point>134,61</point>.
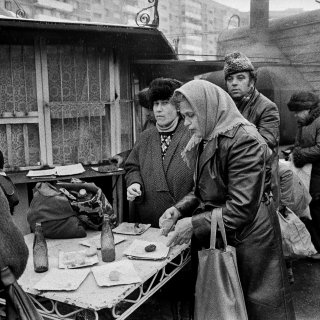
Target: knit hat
<point>236,62</point>
<point>162,89</point>
<point>303,100</point>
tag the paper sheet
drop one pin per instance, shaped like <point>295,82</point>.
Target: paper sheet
<point>57,171</point>
<point>124,269</point>
<point>137,250</point>
<point>129,228</point>
<point>96,242</point>
<point>62,280</point>
<point>76,259</point>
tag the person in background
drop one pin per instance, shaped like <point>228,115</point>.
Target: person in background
<point>232,175</point>
<point>155,176</point>
<point>142,99</point>
<point>240,77</point>
<point>7,186</point>
<point>306,108</point>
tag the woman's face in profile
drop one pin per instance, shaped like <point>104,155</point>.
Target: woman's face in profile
<point>190,118</point>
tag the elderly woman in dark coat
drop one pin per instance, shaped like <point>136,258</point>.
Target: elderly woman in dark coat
<point>155,175</point>
<point>233,176</point>
<point>306,108</point>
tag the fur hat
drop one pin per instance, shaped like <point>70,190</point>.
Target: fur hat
<point>162,89</point>
<point>303,100</point>
<point>143,98</point>
<point>236,62</point>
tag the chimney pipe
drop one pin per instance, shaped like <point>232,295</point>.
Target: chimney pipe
<point>259,14</point>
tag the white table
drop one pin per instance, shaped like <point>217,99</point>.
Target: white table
<point>92,298</point>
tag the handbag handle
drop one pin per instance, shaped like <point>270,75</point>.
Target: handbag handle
<point>216,220</point>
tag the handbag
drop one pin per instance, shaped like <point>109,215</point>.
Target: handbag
<point>218,292</point>
<point>296,239</point>
<point>18,304</point>
<point>52,208</point>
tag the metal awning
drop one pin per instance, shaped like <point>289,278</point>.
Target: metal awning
<point>139,42</point>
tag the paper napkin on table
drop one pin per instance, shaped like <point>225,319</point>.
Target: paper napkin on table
<point>124,270</point>
<point>131,228</point>
<point>62,280</point>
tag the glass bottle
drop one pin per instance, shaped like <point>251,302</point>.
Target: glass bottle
<point>108,251</point>
<point>40,250</point>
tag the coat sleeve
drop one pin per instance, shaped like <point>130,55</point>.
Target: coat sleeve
<point>302,156</point>
<point>268,125</point>
<point>13,250</point>
<point>245,171</point>
<point>132,166</point>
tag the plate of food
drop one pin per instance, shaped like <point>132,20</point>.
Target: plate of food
<point>116,273</point>
<point>147,250</point>
<point>131,228</point>
<point>78,259</point>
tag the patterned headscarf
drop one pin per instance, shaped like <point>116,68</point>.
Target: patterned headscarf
<point>216,113</point>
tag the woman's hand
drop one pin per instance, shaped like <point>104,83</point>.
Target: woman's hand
<point>168,220</point>
<point>133,191</point>
<point>182,232</point>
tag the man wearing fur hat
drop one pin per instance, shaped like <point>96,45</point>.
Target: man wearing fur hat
<point>240,77</point>
<point>306,108</point>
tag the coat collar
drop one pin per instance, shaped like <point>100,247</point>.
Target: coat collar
<point>211,148</point>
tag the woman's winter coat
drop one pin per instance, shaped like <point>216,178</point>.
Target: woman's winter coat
<point>13,250</point>
<point>163,182</point>
<point>234,179</point>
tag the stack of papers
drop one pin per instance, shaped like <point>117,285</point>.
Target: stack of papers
<point>62,280</point>
<point>124,271</point>
<point>137,250</point>
<point>57,171</point>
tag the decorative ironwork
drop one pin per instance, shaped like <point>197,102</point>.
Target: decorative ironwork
<point>143,17</point>
<point>232,18</point>
<point>20,13</point>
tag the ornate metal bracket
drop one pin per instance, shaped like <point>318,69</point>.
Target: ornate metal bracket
<point>20,13</point>
<point>143,17</point>
<point>232,18</point>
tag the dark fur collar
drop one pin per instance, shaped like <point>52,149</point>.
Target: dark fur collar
<point>313,115</point>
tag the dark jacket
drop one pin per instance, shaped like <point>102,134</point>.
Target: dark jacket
<point>307,149</point>
<point>163,182</point>
<point>264,114</point>
<point>13,250</point>
<point>234,180</point>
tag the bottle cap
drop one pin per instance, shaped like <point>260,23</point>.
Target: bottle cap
<point>38,224</point>
<point>82,192</point>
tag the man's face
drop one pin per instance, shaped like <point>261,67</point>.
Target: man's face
<point>301,116</point>
<point>239,84</point>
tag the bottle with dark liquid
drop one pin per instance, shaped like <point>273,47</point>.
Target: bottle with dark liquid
<point>108,251</point>
<point>40,250</point>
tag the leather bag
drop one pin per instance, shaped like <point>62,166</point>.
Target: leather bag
<point>218,292</point>
<point>18,304</point>
<point>296,239</point>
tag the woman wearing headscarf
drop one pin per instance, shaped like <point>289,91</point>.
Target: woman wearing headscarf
<point>232,175</point>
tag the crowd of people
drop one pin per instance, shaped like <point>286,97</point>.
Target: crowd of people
<point>204,151</point>
<point>230,163</point>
